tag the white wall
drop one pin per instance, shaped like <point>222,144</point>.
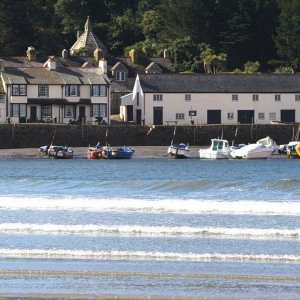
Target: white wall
<point>175,103</point>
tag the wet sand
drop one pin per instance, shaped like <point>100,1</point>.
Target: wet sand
<point>80,152</point>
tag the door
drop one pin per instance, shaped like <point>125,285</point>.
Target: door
<point>245,116</point>
<point>138,117</point>
<point>81,116</point>
<point>129,112</point>
<point>157,115</point>
<point>214,116</point>
<point>33,114</point>
<point>287,115</point>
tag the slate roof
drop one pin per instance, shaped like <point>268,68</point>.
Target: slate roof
<point>89,39</point>
<point>54,77</point>
<point>221,83</point>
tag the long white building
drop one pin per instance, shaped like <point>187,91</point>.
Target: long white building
<point>213,99</point>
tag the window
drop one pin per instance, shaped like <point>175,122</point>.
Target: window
<point>188,97</point>
<point>235,97</point>
<point>72,90</point>
<point>2,99</point>
<point>272,116</point>
<point>230,116</point>
<point>99,90</point>
<point>99,110</point>
<point>19,90</point>
<point>43,91</point>
<point>277,97</point>
<point>157,97</point>
<point>46,112</point>
<point>261,116</point>
<point>18,110</point>
<point>255,98</point>
<point>120,76</point>
<point>179,116</point>
<point>297,97</point>
<point>69,111</point>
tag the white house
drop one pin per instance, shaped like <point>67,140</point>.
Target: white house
<point>213,99</point>
<point>54,93</point>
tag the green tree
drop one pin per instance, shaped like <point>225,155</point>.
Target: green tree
<point>287,39</point>
<point>212,62</point>
<point>251,67</point>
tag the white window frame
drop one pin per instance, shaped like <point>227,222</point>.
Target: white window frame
<point>99,90</point>
<point>261,116</point>
<point>188,97</point>
<point>230,116</point>
<point>277,97</point>
<point>43,91</point>
<point>272,116</point>
<point>157,97</point>
<point>179,116</point>
<point>99,110</point>
<point>46,111</point>
<point>18,110</point>
<point>297,97</point>
<point>255,97</point>
<point>235,97</point>
<point>19,90</point>
<point>120,76</point>
<point>72,90</point>
<point>69,111</point>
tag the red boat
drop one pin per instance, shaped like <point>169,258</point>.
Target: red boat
<point>94,153</point>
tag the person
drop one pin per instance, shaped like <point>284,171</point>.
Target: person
<point>98,145</point>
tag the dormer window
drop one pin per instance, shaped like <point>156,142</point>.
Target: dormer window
<point>120,76</point>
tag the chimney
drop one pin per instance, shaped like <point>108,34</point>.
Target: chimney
<point>166,54</point>
<point>103,66</point>
<point>31,53</point>
<point>65,54</point>
<point>1,65</point>
<point>134,56</point>
<point>98,54</point>
<point>50,63</point>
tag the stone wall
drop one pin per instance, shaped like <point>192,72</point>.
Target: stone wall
<point>36,135</point>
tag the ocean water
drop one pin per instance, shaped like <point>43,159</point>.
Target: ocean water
<point>154,227</point>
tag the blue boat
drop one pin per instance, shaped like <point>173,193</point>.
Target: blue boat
<point>117,153</point>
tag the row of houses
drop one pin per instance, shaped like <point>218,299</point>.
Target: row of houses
<point>86,85</point>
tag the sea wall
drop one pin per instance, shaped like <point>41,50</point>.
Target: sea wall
<point>35,135</point>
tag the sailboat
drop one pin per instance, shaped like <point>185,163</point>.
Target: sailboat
<point>180,150</point>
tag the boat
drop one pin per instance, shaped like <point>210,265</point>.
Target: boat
<point>179,150</point>
<point>219,149</point>
<point>252,151</point>
<point>117,153</point>
<point>60,152</point>
<point>268,142</point>
<point>293,150</point>
<point>94,153</point>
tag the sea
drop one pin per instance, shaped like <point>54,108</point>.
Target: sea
<point>153,227</point>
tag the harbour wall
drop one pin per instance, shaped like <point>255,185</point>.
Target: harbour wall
<point>36,135</point>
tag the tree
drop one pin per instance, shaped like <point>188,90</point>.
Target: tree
<point>287,39</point>
<point>251,67</point>
<point>212,62</point>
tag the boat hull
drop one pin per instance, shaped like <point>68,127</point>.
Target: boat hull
<point>179,151</point>
<point>117,153</point>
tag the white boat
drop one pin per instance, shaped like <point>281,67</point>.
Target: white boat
<point>219,149</point>
<point>268,142</point>
<point>179,150</point>
<point>252,151</point>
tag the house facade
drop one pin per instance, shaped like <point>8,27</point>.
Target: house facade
<point>54,94</point>
<point>227,99</point>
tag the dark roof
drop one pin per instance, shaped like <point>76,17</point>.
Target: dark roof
<point>221,83</point>
<point>122,86</point>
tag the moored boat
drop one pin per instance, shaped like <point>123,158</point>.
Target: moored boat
<point>60,152</point>
<point>117,153</point>
<point>94,153</point>
<point>219,149</point>
<point>179,150</point>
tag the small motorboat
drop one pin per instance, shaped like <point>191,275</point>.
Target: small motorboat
<point>60,152</point>
<point>117,153</point>
<point>268,142</point>
<point>293,150</point>
<point>94,153</point>
<point>252,151</point>
<point>219,149</point>
<point>179,150</point>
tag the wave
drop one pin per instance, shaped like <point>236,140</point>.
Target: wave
<point>142,255</point>
<point>153,231</point>
<point>192,206</point>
